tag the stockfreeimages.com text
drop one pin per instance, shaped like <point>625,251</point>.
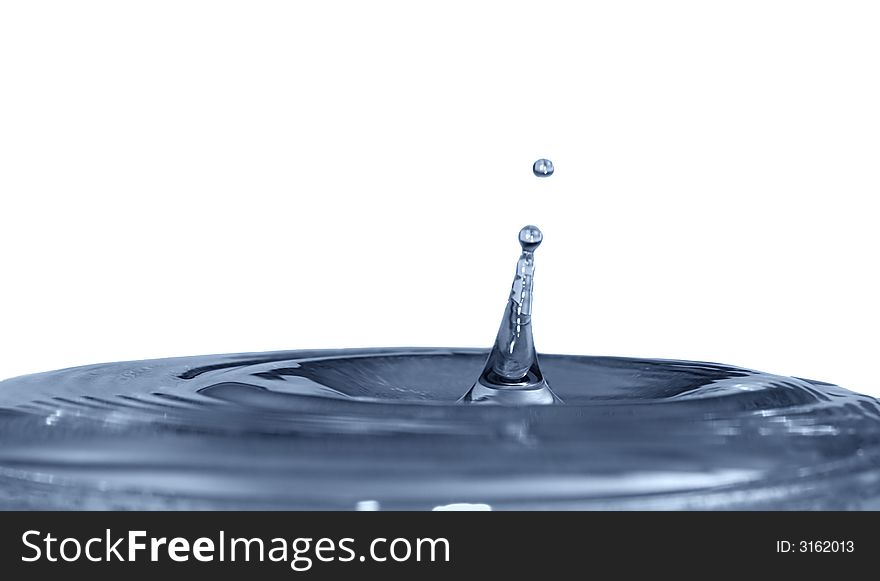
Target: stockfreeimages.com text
<point>301,552</point>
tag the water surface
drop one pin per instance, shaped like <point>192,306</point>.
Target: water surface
<point>385,427</point>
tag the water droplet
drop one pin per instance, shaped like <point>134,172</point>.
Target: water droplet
<point>530,237</point>
<point>511,375</point>
<point>543,168</point>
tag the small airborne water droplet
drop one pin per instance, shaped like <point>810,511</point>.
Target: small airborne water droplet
<point>543,168</point>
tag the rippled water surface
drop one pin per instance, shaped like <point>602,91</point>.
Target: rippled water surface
<point>385,429</point>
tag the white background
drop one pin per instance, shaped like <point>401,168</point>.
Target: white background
<point>185,177</point>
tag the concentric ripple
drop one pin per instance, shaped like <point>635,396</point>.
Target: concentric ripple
<point>333,429</point>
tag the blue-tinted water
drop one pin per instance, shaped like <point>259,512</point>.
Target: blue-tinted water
<point>543,168</point>
<point>433,428</point>
<point>333,429</point>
